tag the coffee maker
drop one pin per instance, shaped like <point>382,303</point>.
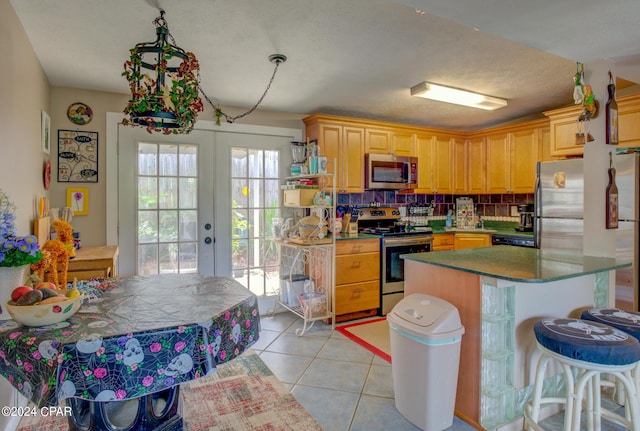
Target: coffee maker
<point>526,218</point>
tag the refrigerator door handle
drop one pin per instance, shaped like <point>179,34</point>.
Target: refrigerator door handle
<point>537,201</point>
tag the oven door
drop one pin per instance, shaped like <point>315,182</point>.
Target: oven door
<point>393,266</point>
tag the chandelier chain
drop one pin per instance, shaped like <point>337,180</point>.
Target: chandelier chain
<point>216,108</point>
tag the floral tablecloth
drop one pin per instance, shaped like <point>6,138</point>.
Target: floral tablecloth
<point>143,335</point>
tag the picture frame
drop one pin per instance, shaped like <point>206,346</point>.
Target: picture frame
<point>78,200</point>
<point>45,132</point>
<point>77,156</point>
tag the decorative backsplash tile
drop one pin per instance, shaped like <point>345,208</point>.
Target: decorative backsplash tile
<point>491,206</point>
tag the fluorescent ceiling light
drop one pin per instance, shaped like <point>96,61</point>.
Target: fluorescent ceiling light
<point>459,97</point>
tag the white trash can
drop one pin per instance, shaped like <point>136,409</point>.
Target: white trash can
<point>425,334</point>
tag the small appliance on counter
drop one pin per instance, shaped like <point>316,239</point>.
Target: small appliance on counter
<point>299,154</point>
<point>526,218</point>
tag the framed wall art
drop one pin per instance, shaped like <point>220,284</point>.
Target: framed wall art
<point>77,156</point>
<point>45,132</point>
<point>78,200</point>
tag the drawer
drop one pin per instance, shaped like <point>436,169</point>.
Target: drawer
<point>299,197</point>
<point>357,296</point>
<point>353,246</point>
<point>353,268</point>
<point>442,239</point>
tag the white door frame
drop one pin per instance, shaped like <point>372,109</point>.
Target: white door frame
<point>114,118</point>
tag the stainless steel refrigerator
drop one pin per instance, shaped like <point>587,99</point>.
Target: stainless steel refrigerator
<point>559,209</point>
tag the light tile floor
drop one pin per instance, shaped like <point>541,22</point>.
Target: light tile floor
<point>343,385</point>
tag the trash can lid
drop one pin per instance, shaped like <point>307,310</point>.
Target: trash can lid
<point>426,316</point>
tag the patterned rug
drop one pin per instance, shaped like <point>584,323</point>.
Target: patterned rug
<point>241,395</point>
<point>373,335</point>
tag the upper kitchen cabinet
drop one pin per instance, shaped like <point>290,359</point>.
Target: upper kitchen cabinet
<point>628,121</point>
<point>396,142</point>
<point>564,126</point>
<point>435,163</point>
<point>460,180</point>
<point>476,165</point>
<point>344,143</point>
<point>511,160</point>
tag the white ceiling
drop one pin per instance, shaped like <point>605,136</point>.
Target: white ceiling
<point>349,57</point>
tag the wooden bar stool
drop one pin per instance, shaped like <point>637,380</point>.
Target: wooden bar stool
<point>584,349</point>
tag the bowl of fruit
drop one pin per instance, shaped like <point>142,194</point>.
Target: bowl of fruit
<point>43,304</point>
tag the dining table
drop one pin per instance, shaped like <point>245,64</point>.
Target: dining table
<point>133,338</point>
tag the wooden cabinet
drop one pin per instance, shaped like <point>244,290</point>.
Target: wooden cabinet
<point>357,278</point>
<point>403,143</point>
<point>563,127</point>
<point>511,161</point>
<point>476,165</point>
<point>93,262</point>
<point>345,144</point>
<point>460,181</point>
<point>471,240</point>
<point>442,242</point>
<point>435,163</point>
<point>377,141</point>
<point>628,121</point>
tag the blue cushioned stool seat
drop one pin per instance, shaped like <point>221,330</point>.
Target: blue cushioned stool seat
<point>587,341</point>
<point>626,321</point>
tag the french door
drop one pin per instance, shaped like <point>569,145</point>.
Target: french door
<point>165,194</point>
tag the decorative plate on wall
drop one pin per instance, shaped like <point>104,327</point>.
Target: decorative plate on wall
<point>79,113</point>
<point>46,174</point>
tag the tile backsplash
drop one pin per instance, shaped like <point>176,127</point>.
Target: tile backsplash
<point>495,205</point>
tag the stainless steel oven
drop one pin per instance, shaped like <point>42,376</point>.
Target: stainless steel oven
<point>392,267</point>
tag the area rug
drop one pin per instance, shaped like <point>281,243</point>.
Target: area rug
<point>373,335</point>
<point>241,395</point>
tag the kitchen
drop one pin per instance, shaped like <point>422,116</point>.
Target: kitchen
<point>35,91</point>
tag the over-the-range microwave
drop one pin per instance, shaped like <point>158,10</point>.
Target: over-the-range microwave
<point>384,171</point>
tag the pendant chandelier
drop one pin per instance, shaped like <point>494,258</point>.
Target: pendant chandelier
<point>164,80</point>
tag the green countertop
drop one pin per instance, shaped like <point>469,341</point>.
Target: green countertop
<point>521,264</point>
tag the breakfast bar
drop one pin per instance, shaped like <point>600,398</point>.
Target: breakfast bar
<point>500,293</point>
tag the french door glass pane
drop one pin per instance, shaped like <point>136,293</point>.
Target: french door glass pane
<point>255,202</point>
<point>167,208</point>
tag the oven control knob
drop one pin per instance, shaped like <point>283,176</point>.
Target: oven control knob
<point>395,212</point>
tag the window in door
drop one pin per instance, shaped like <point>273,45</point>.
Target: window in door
<point>255,203</point>
<point>167,208</point>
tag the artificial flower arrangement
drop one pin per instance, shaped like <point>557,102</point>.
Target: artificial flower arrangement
<point>15,250</point>
<point>180,100</point>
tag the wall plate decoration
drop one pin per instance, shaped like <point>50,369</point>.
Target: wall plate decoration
<point>46,174</point>
<point>79,113</point>
<point>78,200</point>
<point>77,156</point>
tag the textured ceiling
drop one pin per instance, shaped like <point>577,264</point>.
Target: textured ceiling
<point>349,57</point>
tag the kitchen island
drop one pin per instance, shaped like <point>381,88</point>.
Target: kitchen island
<point>500,293</point>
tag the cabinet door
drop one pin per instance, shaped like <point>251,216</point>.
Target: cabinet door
<point>377,141</point>
<point>476,166</point>
<point>473,240</point>
<point>498,163</point>
<point>524,156</point>
<point>402,144</point>
<point>424,150</point>
<point>329,138</point>
<point>563,135</point>
<point>629,123</point>
<point>442,241</point>
<point>351,160</point>
<point>460,166</point>
<point>443,164</point>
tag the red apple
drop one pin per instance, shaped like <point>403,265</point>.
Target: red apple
<point>48,284</point>
<point>19,291</point>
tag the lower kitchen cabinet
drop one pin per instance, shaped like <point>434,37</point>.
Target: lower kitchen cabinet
<point>357,292</point>
<point>471,240</point>
<point>442,242</point>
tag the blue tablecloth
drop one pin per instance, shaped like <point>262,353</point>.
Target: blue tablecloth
<point>140,336</point>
